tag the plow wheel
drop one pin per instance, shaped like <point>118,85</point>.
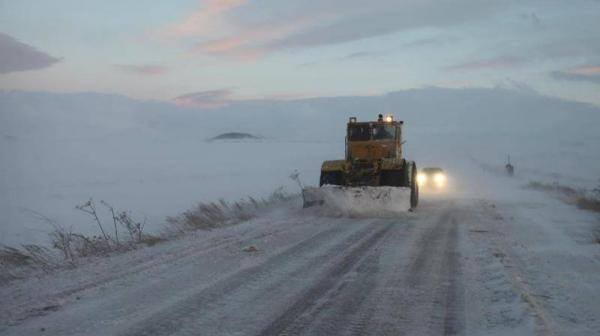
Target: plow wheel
<point>414,187</point>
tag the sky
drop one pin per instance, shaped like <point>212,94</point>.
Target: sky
<point>206,52</point>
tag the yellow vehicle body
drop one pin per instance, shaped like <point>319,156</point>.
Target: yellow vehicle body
<point>373,158</point>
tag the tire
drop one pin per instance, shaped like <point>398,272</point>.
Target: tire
<point>414,187</point>
<point>405,177</point>
<point>331,177</point>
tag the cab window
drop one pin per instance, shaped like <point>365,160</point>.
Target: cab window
<point>384,132</point>
<point>359,133</point>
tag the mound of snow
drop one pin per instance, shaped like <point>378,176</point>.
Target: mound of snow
<point>361,201</point>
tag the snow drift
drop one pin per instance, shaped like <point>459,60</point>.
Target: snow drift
<point>360,201</point>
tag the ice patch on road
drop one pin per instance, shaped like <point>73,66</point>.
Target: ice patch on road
<point>360,201</point>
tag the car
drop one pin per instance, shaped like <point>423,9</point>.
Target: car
<point>432,177</point>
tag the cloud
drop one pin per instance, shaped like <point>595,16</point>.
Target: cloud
<point>142,70</point>
<point>247,45</point>
<point>354,56</point>
<point>18,56</point>
<point>350,20</point>
<point>515,85</point>
<point>430,41</point>
<point>363,54</point>
<point>569,47</point>
<point>236,47</point>
<point>204,99</point>
<point>585,73</point>
<point>500,62</point>
<point>222,28</point>
<point>204,20</point>
<point>408,45</point>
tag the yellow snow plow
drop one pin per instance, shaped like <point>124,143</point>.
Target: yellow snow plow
<point>374,176</point>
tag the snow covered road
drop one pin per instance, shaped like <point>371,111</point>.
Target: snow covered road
<point>454,267</point>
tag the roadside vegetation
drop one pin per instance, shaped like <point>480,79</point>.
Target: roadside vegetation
<point>582,198</point>
<point>586,199</point>
<point>121,233</point>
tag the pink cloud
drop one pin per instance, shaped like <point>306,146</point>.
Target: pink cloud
<point>585,71</point>
<point>250,44</point>
<point>588,73</point>
<point>221,45</point>
<point>234,47</point>
<point>144,70</point>
<point>204,99</point>
<point>218,28</point>
<point>207,18</point>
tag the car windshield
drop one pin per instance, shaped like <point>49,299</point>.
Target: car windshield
<point>381,132</point>
<point>359,133</point>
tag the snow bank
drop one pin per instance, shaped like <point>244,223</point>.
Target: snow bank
<point>361,201</point>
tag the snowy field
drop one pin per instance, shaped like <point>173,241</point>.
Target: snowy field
<point>152,158</point>
<point>152,179</point>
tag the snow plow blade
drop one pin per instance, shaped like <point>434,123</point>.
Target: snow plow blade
<point>358,201</point>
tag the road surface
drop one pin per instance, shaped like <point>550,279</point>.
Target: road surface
<point>454,267</point>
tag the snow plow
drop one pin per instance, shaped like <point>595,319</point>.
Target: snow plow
<point>374,176</point>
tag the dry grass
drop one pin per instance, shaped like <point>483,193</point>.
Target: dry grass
<point>587,203</point>
<point>584,199</point>
<point>596,235</point>
<point>208,216</point>
<point>11,259</point>
<point>69,249</point>
<point>11,256</point>
<point>16,262</point>
<point>554,188</point>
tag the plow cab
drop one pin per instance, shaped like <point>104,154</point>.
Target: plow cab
<point>373,159</point>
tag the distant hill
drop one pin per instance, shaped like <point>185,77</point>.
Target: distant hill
<point>235,136</point>
<point>427,112</point>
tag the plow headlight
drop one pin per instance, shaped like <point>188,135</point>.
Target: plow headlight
<point>439,179</point>
<point>421,178</point>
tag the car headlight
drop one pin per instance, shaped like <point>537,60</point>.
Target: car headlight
<point>421,178</point>
<point>439,179</point>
